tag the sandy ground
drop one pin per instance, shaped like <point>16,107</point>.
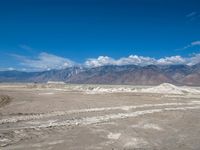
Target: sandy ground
<point>52,118</point>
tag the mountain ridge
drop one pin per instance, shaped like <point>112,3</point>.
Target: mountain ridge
<point>112,74</point>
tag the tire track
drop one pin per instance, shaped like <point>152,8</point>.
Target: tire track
<point>99,119</point>
<point>15,119</point>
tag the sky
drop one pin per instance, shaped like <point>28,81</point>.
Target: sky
<point>55,34</point>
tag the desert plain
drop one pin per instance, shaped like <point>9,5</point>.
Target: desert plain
<point>99,117</point>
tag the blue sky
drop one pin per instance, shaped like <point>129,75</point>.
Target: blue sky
<point>51,33</point>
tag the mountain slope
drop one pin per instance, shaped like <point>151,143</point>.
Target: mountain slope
<point>54,75</point>
<point>127,74</point>
<point>131,74</point>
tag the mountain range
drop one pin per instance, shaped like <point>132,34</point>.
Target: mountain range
<point>126,74</point>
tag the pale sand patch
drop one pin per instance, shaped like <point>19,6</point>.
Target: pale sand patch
<point>135,143</point>
<point>152,126</point>
<point>198,102</point>
<point>49,93</point>
<point>114,136</point>
<point>101,90</point>
<point>4,140</point>
<point>56,142</point>
<point>49,143</point>
<point>167,88</point>
<point>147,126</point>
<point>164,88</point>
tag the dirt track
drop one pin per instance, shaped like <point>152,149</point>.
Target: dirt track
<point>56,119</point>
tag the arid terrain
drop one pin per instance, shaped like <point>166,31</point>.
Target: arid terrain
<point>99,117</point>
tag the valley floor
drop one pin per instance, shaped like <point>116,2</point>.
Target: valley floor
<point>46,118</point>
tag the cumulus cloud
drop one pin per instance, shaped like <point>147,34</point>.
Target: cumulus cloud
<point>193,60</point>
<point>171,60</point>
<point>132,59</point>
<point>141,60</point>
<point>44,61</point>
<point>100,61</point>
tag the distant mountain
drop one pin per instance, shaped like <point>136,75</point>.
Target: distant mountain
<point>45,76</point>
<point>127,74</point>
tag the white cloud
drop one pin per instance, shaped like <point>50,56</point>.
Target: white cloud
<point>7,69</point>
<point>192,44</point>
<point>25,47</point>
<point>195,43</point>
<point>100,61</point>
<point>132,59</point>
<point>192,14</point>
<point>10,68</point>
<point>141,60</point>
<point>193,60</point>
<point>44,61</point>
<point>171,60</point>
